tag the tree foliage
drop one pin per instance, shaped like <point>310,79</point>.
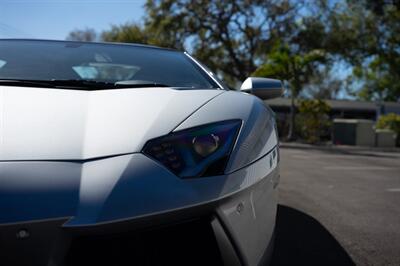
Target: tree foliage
<point>390,121</point>
<point>373,39</point>
<point>86,35</point>
<point>231,37</point>
<point>323,85</point>
<point>236,38</point>
<point>131,33</point>
<point>314,120</point>
<point>296,68</point>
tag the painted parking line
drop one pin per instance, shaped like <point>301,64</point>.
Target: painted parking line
<point>393,190</point>
<point>305,157</point>
<point>360,168</point>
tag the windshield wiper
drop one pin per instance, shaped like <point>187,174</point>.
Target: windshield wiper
<point>146,83</point>
<point>26,83</point>
<point>81,84</point>
<point>138,84</point>
<point>99,85</point>
<point>84,84</point>
<point>59,83</point>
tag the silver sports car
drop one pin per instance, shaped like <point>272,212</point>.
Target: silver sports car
<point>117,154</point>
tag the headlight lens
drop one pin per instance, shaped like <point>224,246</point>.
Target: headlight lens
<point>195,152</point>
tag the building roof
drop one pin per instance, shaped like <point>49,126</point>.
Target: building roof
<point>342,105</point>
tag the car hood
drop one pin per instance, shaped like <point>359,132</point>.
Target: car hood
<point>60,124</point>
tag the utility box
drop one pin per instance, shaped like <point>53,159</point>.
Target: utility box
<point>385,138</point>
<point>359,132</point>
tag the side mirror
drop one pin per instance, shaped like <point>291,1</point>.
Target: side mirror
<point>263,88</point>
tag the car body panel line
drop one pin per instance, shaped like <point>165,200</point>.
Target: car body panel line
<point>230,253</point>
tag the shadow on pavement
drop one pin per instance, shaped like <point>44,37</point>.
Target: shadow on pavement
<point>302,240</point>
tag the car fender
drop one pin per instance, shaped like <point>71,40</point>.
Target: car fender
<point>257,136</point>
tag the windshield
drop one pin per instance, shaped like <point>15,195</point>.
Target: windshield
<point>56,60</point>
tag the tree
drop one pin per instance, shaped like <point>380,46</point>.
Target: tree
<point>315,119</point>
<point>234,38</point>
<point>364,36</point>
<point>323,84</point>
<point>366,33</point>
<point>380,81</point>
<point>135,33</point>
<point>297,69</point>
<point>381,75</point>
<point>390,121</point>
<point>86,35</point>
<point>229,36</point>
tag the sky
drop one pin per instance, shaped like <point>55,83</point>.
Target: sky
<point>54,19</point>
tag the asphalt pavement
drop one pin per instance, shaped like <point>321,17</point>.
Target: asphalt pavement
<point>338,208</point>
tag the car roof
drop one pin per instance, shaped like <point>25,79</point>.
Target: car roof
<point>89,43</point>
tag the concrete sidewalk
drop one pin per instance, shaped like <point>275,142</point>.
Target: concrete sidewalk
<point>345,149</point>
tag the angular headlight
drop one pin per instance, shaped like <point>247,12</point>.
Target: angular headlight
<point>195,152</point>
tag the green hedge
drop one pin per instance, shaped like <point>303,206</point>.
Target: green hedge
<point>312,122</point>
<point>390,121</point>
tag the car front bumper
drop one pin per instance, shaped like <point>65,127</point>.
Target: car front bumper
<point>46,208</point>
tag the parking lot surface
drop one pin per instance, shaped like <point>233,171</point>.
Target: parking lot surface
<point>338,208</point>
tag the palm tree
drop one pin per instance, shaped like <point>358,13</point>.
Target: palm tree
<point>295,68</point>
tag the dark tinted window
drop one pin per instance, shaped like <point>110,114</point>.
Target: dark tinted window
<point>47,60</point>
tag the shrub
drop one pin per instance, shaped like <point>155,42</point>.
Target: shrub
<point>313,121</point>
<point>390,121</point>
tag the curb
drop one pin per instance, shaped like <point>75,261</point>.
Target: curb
<point>344,149</point>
